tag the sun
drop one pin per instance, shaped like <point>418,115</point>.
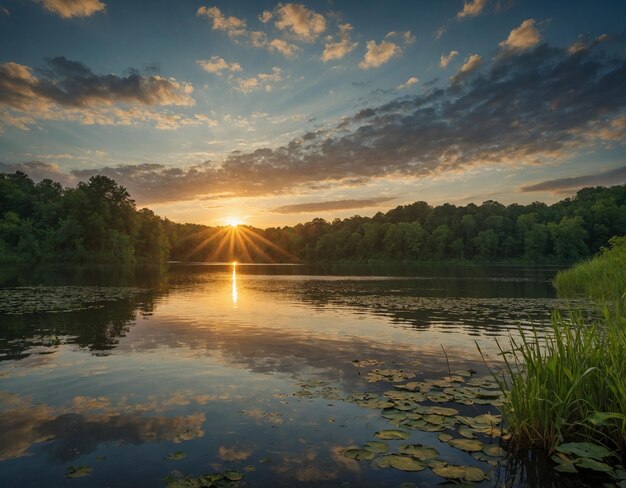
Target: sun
<point>233,221</point>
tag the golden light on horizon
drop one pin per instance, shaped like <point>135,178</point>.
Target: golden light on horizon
<point>234,221</point>
<point>235,243</point>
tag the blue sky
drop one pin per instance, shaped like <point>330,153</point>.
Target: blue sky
<point>276,113</point>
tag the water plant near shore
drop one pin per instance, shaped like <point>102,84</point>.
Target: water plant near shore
<point>565,392</point>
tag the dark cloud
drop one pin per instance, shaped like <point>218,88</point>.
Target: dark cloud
<point>537,105</point>
<point>333,205</point>
<point>39,170</point>
<point>608,178</point>
<point>72,83</point>
<point>66,89</point>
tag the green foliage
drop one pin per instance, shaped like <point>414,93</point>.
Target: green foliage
<point>98,222</point>
<point>570,386</point>
<point>95,222</point>
<point>565,232</point>
<point>602,278</point>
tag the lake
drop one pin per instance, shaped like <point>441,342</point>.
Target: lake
<point>270,375</point>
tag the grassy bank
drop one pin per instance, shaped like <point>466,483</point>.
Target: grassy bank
<point>602,278</point>
<point>566,392</point>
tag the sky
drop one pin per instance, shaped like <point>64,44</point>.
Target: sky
<point>276,113</point>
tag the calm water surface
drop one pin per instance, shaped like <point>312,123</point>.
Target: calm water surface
<point>246,368</point>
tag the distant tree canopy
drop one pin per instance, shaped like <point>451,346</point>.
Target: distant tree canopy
<point>98,222</point>
<point>565,232</point>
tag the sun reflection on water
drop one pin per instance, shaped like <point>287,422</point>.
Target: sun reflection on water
<point>234,283</point>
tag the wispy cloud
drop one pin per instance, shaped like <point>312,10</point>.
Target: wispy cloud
<point>378,54</point>
<point>68,9</point>
<point>338,49</point>
<point>472,63</point>
<point>445,59</point>
<point>332,205</point>
<point>262,81</point>
<point>283,47</point>
<point>237,29</point>
<point>218,65</point>
<point>407,37</point>
<point>607,178</point>
<point>471,8</point>
<point>523,37</point>
<point>413,80</point>
<point>229,23</point>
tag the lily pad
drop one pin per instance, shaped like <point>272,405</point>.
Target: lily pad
<point>443,437</point>
<point>447,412</point>
<point>359,454</point>
<point>463,473</point>
<point>469,445</point>
<point>233,475</point>
<point>391,434</point>
<point>466,432</point>
<point>584,450</point>
<point>419,452</point>
<point>494,451</point>
<point>376,446</point>
<point>78,471</point>
<point>383,461</point>
<point>405,463</point>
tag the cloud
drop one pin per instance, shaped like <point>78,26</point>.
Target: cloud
<point>237,29</point>
<point>301,22</point>
<point>338,49</point>
<point>68,9</point>
<point>266,16</point>
<point>230,24</point>
<point>557,113</point>
<point>410,82</point>
<point>608,178</point>
<point>445,59</point>
<point>406,36</point>
<point>283,47</point>
<point>471,8</point>
<point>38,171</point>
<point>4,11</point>
<point>440,32</point>
<point>333,205</point>
<point>378,54</point>
<point>264,81</point>
<point>217,65</point>
<point>471,63</point>
<point>523,37</point>
<point>69,90</point>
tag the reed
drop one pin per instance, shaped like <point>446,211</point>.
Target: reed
<point>568,384</point>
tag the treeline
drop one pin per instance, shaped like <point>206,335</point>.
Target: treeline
<point>96,222</point>
<point>564,232</point>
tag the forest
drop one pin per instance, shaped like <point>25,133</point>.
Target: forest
<point>98,222</point>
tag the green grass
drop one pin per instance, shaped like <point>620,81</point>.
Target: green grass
<point>602,278</point>
<point>568,384</point>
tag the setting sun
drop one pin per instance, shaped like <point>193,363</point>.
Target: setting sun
<point>233,221</point>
